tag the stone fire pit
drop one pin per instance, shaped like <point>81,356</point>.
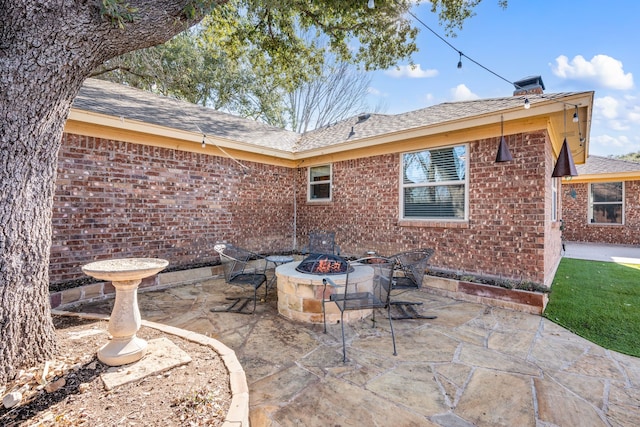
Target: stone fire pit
<point>300,294</point>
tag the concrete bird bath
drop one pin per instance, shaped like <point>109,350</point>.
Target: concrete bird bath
<point>125,275</point>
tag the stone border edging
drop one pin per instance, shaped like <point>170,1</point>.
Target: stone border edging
<point>238,414</point>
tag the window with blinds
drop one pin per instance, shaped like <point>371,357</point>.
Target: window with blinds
<point>606,203</point>
<point>434,184</point>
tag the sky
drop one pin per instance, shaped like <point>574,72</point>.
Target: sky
<point>573,45</point>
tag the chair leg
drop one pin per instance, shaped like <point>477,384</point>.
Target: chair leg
<point>324,317</point>
<point>255,297</point>
<point>344,346</point>
<point>393,335</point>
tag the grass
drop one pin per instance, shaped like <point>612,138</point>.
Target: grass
<point>599,301</point>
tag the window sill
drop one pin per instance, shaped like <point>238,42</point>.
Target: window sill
<point>604,224</point>
<point>432,223</point>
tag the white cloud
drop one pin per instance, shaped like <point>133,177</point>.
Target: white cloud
<point>605,145</point>
<point>373,91</point>
<point>413,72</point>
<point>606,107</point>
<point>602,69</point>
<point>462,93</point>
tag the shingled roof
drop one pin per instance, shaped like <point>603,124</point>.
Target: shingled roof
<point>112,99</point>
<point>117,100</point>
<point>597,165</point>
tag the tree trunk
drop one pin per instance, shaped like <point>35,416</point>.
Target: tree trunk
<point>47,49</point>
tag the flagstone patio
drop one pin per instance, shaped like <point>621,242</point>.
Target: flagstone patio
<point>472,366</point>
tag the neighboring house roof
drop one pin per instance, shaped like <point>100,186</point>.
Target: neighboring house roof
<point>598,168</point>
<point>133,108</point>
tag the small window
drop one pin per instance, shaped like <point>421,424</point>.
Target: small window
<point>554,199</point>
<point>606,203</point>
<point>319,183</point>
<point>434,184</point>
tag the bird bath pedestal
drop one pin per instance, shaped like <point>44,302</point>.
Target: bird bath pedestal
<point>125,275</point>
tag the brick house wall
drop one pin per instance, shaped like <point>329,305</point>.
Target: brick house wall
<point>575,199</point>
<point>115,199</point>
<point>509,212</point>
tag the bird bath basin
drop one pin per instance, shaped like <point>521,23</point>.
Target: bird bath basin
<point>125,275</point>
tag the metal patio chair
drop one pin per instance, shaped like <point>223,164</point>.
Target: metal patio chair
<point>322,242</point>
<point>236,272</point>
<point>410,269</point>
<point>355,299</point>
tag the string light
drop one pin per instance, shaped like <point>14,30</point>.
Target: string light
<point>204,143</point>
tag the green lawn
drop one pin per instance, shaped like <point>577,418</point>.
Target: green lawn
<point>599,301</point>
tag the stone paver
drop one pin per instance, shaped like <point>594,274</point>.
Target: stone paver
<point>472,366</point>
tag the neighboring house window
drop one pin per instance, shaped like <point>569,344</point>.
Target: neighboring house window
<point>319,183</point>
<point>606,203</point>
<point>434,184</point>
<point>554,199</point>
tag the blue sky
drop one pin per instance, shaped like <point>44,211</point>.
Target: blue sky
<point>574,45</point>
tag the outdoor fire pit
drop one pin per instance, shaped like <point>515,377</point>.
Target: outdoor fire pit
<point>324,264</point>
<point>300,288</point>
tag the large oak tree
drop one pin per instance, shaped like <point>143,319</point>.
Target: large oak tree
<point>49,47</point>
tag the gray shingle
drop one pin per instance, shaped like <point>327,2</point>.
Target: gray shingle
<point>122,101</point>
<point>597,165</point>
<point>117,100</point>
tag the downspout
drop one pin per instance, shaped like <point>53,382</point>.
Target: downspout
<point>295,208</point>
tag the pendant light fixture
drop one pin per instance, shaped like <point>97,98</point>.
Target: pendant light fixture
<point>503,155</point>
<point>564,164</point>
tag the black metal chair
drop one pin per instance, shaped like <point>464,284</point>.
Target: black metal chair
<point>378,297</point>
<point>322,242</point>
<point>236,272</point>
<point>410,269</point>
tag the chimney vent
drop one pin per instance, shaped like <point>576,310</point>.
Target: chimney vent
<point>529,85</point>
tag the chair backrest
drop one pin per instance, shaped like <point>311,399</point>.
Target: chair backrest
<point>382,275</point>
<point>414,264</point>
<point>234,259</point>
<point>322,242</point>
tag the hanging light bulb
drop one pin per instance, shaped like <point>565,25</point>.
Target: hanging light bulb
<point>204,144</point>
<point>371,4</point>
<point>576,119</point>
<point>527,104</point>
<point>460,60</point>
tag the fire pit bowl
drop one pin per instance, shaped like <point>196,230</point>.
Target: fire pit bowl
<point>324,264</point>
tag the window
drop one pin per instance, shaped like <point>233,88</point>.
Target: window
<point>606,203</point>
<point>554,199</point>
<point>434,184</point>
<point>319,183</point>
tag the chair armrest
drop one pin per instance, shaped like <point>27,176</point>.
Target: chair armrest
<point>326,281</point>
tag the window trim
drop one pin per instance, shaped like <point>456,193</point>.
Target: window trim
<point>554,199</point>
<point>401,187</point>
<point>590,205</point>
<point>311,183</point>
